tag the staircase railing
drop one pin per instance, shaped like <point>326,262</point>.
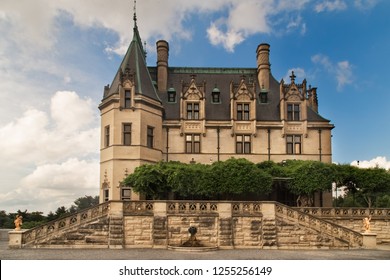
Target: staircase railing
<point>351,237</point>
<point>339,212</point>
<point>32,236</point>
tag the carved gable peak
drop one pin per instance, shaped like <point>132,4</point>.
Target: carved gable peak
<point>192,91</point>
<point>243,91</point>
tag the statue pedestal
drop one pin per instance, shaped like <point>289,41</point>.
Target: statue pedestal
<point>15,239</point>
<point>369,240</point>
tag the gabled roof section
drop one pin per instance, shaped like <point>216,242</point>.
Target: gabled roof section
<point>134,62</point>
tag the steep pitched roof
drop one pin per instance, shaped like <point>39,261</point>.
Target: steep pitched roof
<point>134,62</point>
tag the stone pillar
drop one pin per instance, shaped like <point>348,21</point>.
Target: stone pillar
<point>263,66</point>
<point>225,232</point>
<point>116,209</point>
<point>369,240</point>
<point>15,239</point>
<point>160,225</point>
<point>162,65</point>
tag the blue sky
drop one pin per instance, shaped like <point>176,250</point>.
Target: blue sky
<point>56,57</point>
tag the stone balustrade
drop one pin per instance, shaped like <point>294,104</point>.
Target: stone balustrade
<point>223,224</point>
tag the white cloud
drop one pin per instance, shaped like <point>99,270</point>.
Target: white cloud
<point>330,6</point>
<point>50,186</point>
<point>365,4</point>
<point>379,161</point>
<point>343,74</point>
<point>341,70</point>
<point>246,18</point>
<point>298,72</point>
<point>70,130</point>
<point>50,157</point>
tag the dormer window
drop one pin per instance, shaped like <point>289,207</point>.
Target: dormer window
<point>293,112</point>
<point>216,96</point>
<point>243,111</point>
<point>263,96</point>
<point>171,95</point>
<point>193,111</point>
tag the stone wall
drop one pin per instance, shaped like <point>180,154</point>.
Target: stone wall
<point>226,225</point>
<point>352,218</point>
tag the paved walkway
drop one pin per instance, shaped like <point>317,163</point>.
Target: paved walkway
<point>382,253</point>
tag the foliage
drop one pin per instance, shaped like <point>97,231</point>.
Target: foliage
<point>239,176</point>
<point>310,176</point>
<point>37,218</point>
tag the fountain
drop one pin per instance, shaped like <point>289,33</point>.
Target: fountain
<point>192,244</point>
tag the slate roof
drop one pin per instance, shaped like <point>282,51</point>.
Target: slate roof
<point>135,62</point>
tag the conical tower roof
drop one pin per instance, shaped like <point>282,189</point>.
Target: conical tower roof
<point>134,62</point>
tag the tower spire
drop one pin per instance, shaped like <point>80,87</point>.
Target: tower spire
<point>135,13</point>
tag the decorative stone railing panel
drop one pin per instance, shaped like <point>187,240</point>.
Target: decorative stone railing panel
<point>138,207</point>
<point>55,227</point>
<point>353,238</point>
<point>357,213</point>
<point>193,207</point>
<point>246,208</point>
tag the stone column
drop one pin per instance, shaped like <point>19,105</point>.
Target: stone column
<point>160,225</point>
<point>15,239</point>
<point>369,240</point>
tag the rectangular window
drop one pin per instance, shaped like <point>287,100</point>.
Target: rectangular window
<point>263,97</point>
<point>149,137</point>
<point>126,194</point>
<point>127,134</point>
<point>127,99</point>
<point>294,144</point>
<point>192,111</point>
<point>243,144</point>
<point>193,143</point>
<point>107,136</point>
<point>293,112</point>
<point>243,112</point>
<point>106,193</point>
<point>171,96</point>
<point>216,97</point>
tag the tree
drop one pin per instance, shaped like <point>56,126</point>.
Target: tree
<point>149,179</point>
<point>309,177</point>
<point>84,203</point>
<point>239,176</point>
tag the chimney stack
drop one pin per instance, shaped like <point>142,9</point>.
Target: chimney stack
<point>162,64</point>
<point>263,65</point>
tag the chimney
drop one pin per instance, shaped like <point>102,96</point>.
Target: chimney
<point>263,65</point>
<point>162,65</point>
<point>313,99</point>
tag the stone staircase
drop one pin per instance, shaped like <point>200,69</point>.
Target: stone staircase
<point>116,233</point>
<point>269,234</point>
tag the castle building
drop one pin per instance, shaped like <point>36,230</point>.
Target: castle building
<point>190,114</point>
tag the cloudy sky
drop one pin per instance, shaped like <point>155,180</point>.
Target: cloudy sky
<point>56,57</point>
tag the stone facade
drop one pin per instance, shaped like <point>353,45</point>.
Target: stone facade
<point>188,114</point>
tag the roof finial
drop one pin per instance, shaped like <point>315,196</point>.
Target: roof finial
<point>135,12</point>
<point>292,77</point>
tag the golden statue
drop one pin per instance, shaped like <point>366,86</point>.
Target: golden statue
<point>18,222</point>
<point>366,224</point>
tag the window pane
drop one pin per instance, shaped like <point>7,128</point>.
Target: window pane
<point>239,147</point>
<point>196,138</point>
<point>188,147</point>
<point>197,147</point>
<point>247,148</point>
<point>297,148</point>
<point>289,148</point>
<point>127,139</point>
<point>239,138</point>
